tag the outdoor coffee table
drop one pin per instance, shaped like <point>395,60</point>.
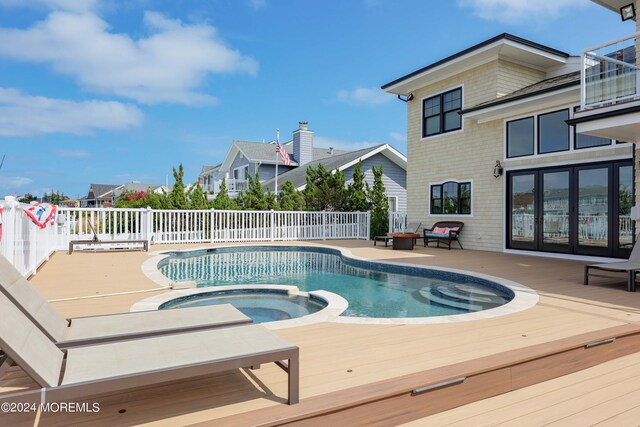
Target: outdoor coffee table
<point>404,241</point>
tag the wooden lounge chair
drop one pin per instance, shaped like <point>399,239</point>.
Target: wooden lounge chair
<point>85,330</point>
<point>455,228</point>
<point>631,267</point>
<point>79,372</point>
<point>411,228</point>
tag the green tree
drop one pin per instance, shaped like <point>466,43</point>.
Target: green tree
<point>197,197</point>
<point>356,196</point>
<point>54,198</point>
<point>379,204</point>
<point>27,198</point>
<point>254,197</point>
<point>290,199</point>
<point>177,199</point>
<point>325,191</point>
<point>222,200</point>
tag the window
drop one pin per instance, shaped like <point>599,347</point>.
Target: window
<point>588,141</point>
<point>520,137</point>
<point>451,198</point>
<point>441,113</point>
<point>393,203</point>
<point>553,132</point>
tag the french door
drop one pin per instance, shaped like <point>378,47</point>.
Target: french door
<point>579,209</point>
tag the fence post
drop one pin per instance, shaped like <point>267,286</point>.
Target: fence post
<point>212,214</point>
<point>273,227</point>
<point>368,225</point>
<point>148,224</point>
<point>324,225</point>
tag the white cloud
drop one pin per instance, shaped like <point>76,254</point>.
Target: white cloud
<point>364,96</point>
<point>26,115</point>
<point>74,154</point>
<point>14,181</point>
<point>398,137</point>
<point>168,65</point>
<point>258,4</point>
<point>519,11</point>
<point>340,144</point>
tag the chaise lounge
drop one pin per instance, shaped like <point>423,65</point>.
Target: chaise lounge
<point>79,372</point>
<point>88,330</point>
<point>631,267</point>
<point>445,232</point>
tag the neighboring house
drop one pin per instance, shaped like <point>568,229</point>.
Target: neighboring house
<point>492,142</point>
<point>98,195</point>
<point>246,158</point>
<point>69,203</point>
<point>104,195</point>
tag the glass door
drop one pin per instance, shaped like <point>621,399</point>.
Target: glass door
<point>623,226</point>
<point>556,208</point>
<point>594,210</point>
<point>522,219</point>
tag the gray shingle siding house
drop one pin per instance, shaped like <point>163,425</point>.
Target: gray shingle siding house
<point>245,158</point>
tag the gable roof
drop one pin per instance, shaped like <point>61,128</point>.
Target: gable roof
<point>503,45</point>
<point>549,85</point>
<point>100,190</point>
<point>207,169</point>
<point>336,161</point>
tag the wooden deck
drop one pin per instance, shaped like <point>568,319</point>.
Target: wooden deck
<point>344,364</point>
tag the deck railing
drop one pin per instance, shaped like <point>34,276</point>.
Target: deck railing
<point>397,221</point>
<point>197,226</point>
<point>610,73</point>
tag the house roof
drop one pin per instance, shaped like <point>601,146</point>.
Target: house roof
<point>539,88</point>
<point>207,169</point>
<point>504,45</point>
<point>135,187</point>
<point>332,162</point>
<point>100,190</point>
<point>262,151</point>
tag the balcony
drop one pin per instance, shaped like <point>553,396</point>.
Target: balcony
<point>234,186</point>
<point>610,91</point>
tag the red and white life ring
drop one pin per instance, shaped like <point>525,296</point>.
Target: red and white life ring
<point>41,213</point>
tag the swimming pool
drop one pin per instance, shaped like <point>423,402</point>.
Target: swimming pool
<point>373,289</point>
<point>261,305</point>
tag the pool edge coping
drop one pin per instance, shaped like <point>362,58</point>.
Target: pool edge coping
<point>524,296</point>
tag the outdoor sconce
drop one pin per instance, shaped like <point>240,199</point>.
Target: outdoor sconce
<point>497,169</point>
<point>406,98</point>
<point>628,12</point>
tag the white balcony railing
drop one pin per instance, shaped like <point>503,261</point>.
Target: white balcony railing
<point>609,73</point>
<point>233,185</point>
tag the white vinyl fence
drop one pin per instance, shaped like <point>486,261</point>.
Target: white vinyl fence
<point>197,226</point>
<point>27,246</point>
<point>23,243</point>
<point>397,221</point>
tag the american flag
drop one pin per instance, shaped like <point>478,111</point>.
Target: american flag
<point>283,153</point>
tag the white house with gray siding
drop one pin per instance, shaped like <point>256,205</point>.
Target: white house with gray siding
<point>246,158</point>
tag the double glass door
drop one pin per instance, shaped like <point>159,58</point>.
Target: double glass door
<point>580,209</point>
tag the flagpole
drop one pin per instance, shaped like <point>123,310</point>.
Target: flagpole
<point>277,154</point>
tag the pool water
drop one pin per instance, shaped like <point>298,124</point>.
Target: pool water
<point>261,306</point>
<point>372,289</point>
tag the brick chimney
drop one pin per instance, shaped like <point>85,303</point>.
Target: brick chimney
<point>303,144</point>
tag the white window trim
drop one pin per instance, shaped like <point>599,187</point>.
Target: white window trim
<point>536,155</point>
<point>396,199</point>
<point>431,184</point>
<point>453,132</point>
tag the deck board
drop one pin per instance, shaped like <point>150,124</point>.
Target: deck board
<point>373,353</point>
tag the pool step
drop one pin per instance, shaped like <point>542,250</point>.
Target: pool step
<point>461,297</point>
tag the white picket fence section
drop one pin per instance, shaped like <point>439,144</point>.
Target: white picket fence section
<point>24,244</point>
<point>397,221</point>
<point>199,226</point>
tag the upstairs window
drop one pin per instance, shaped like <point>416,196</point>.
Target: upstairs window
<point>520,137</point>
<point>441,113</point>
<point>451,198</point>
<point>553,132</point>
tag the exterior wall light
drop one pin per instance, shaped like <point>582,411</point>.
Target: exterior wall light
<point>628,12</point>
<point>406,98</point>
<point>497,169</point>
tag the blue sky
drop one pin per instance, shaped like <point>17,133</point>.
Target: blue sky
<point>96,91</point>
